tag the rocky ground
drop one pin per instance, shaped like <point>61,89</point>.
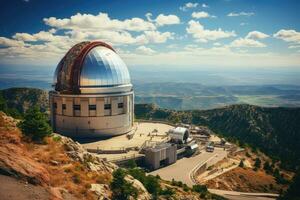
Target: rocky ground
<point>248,179</point>
<point>58,168</point>
<point>245,180</point>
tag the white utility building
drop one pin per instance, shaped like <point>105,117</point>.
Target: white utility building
<point>93,94</point>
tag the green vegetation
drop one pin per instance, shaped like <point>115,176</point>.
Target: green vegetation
<point>293,192</point>
<point>35,125</point>
<point>15,101</point>
<point>9,111</point>
<point>153,185</point>
<point>205,194</point>
<point>188,96</point>
<point>257,164</point>
<point>120,188</point>
<point>241,164</point>
<point>274,131</point>
<point>180,184</point>
<point>268,168</point>
<point>150,182</point>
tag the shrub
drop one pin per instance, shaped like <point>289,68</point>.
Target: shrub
<point>168,192</point>
<point>152,185</point>
<point>120,188</point>
<point>257,164</point>
<point>241,164</point>
<point>56,138</point>
<point>267,167</point>
<point>150,182</point>
<point>131,164</point>
<point>35,124</point>
<point>76,179</point>
<point>199,188</point>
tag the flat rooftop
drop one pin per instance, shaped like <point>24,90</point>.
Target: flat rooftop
<point>142,132</point>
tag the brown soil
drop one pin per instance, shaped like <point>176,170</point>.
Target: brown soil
<point>25,191</point>
<point>43,165</point>
<point>245,180</point>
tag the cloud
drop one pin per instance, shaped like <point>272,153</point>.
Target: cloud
<point>157,37</point>
<point>233,14</point>
<point>245,42</point>
<point>40,36</point>
<point>243,23</point>
<point>195,56</point>
<point>99,22</point>
<point>188,6</point>
<point>6,42</point>
<point>145,50</point>
<point>203,35</point>
<point>162,19</point>
<point>205,5</point>
<point>202,14</point>
<point>294,46</point>
<point>288,36</point>
<point>256,35</point>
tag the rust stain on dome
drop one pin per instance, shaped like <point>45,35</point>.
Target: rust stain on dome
<point>69,68</point>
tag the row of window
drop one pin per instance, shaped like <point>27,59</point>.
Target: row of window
<point>91,107</point>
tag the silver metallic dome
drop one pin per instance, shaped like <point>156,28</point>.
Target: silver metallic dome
<point>91,67</point>
<point>102,67</point>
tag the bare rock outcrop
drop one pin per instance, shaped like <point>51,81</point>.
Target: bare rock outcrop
<point>143,193</point>
<point>14,159</point>
<point>76,151</point>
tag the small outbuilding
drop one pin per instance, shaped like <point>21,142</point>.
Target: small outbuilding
<point>179,135</point>
<point>161,155</point>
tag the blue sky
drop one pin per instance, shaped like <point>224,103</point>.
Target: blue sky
<point>223,33</point>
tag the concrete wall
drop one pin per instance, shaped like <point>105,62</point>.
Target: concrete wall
<point>154,156</point>
<point>86,116</point>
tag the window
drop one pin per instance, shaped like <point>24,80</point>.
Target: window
<point>120,105</point>
<point>92,107</point>
<point>64,107</point>
<point>107,106</point>
<point>54,105</point>
<point>76,107</point>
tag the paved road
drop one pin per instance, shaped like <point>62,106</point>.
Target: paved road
<point>232,195</point>
<point>181,170</point>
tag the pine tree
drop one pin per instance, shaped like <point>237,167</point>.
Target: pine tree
<point>35,124</point>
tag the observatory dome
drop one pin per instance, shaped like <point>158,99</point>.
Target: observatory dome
<point>91,67</point>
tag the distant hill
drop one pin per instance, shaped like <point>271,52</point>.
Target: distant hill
<point>188,96</point>
<point>275,131</point>
<point>15,101</point>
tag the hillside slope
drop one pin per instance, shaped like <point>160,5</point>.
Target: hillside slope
<point>276,131</point>
<point>16,101</point>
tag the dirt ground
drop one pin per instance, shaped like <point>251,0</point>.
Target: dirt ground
<point>24,191</point>
<point>245,180</point>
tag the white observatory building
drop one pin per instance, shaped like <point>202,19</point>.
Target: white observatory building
<point>92,94</point>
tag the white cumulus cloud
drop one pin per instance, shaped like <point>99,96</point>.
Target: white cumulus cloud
<point>205,5</point>
<point>144,50</point>
<point>202,14</point>
<point>157,37</point>
<point>203,35</point>
<point>247,14</point>
<point>188,6</point>
<point>244,42</point>
<point>256,35</point>
<point>99,22</point>
<point>7,42</point>
<point>162,19</point>
<point>288,35</point>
